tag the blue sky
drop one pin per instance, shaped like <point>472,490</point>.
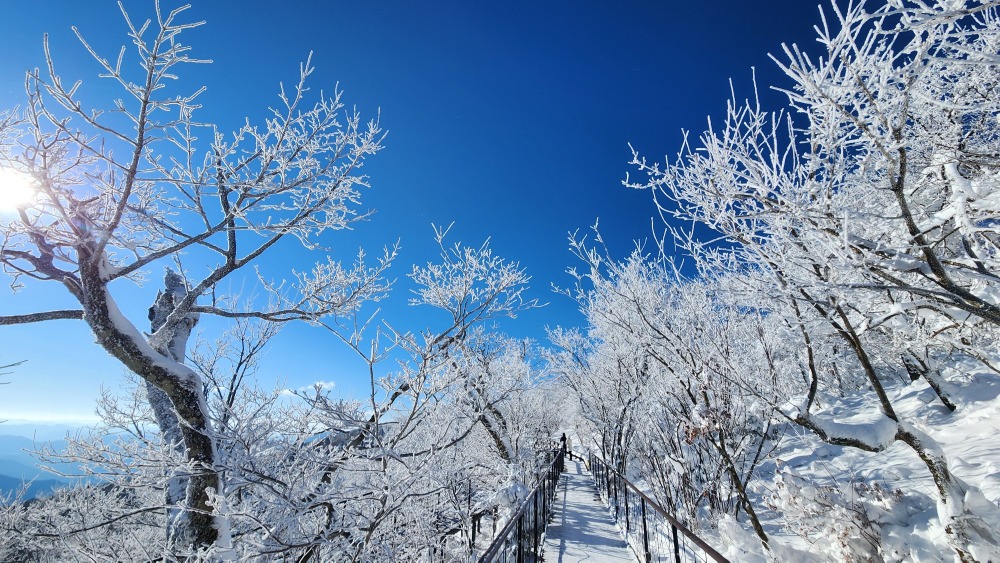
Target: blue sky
<point>510,119</point>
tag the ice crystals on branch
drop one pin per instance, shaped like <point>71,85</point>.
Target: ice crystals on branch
<point>471,282</point>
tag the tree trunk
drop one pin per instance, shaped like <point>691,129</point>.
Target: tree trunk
<point>174,346</point>
<point>916,369</point>
<point>194,527</point>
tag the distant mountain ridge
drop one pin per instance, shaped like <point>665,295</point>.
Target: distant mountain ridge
<point>40,431</point>
<point>18,467</point>
<point>9,486</point>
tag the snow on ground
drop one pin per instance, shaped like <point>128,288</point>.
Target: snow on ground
<point>893,488</point>
<point>581,528</point>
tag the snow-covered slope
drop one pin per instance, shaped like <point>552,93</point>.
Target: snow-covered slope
<point>832,503</point>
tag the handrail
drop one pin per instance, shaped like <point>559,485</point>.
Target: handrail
<point>616,488</point>
<point>521,537</point>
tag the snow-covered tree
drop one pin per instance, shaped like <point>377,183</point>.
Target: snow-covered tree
<point>866,214</point>
<point>143,182</point>
<point>451,434</point>
<point>674,347</point>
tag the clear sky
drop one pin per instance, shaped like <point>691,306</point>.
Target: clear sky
<point>511,119</point>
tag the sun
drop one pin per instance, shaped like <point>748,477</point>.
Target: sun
<point>16,190</point>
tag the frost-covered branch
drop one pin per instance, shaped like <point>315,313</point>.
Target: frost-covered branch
<point>74,314</point>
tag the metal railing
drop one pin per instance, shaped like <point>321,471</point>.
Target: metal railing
<point>652,533</point>
<point>520,541</point>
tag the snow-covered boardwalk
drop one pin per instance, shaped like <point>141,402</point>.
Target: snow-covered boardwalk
<point>581,528</point>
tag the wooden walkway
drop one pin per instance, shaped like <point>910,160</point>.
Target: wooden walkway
<point>581,528</point>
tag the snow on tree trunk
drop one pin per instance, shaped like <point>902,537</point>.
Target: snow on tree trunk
<point>172,345</point>
<point>194,527</point>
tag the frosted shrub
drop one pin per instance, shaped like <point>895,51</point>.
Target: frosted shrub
<point>843,520</point>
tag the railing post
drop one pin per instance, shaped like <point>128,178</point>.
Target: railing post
<point>645,532</point>
<point>677,545</point>
<point>613,493</point>
<point>545,501</point>
<point>520,539</point>
<point>616,492</point>
<point>628,525</point>
<point>607,480</point>
<point>534,528</point>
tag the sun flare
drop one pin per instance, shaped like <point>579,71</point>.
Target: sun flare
<point>16,189</point>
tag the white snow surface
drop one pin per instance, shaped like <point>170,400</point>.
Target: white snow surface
<point>581,528</point>
<point>878,433</point>
<point>908,517</point>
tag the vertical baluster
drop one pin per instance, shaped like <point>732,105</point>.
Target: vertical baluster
<point>628,525</point>
<point>546,487</point>
<point>618,495</point>
<point>535,529</point>
<point>614,492</point>
<point>677,545</point>
<point>519,543</point>
<point>645,532</point>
